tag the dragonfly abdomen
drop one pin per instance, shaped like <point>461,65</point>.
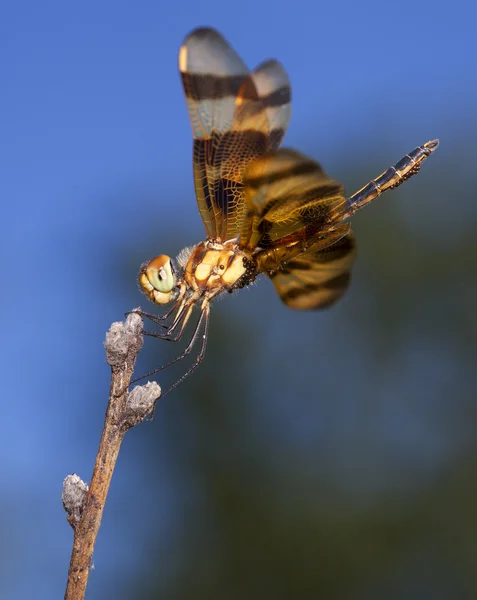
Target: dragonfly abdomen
<point>405,168</point>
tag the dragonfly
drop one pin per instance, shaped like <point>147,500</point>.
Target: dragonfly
<point>266,210</point>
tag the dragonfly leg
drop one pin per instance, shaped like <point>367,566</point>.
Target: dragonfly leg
<point>200,356</point>
<point>157,320</point>
<point>181,321</point>
<point>204,316</point>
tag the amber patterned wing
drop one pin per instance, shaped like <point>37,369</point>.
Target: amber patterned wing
<point>236,116</point>
<point>291,203</point>
<point>316,279</point>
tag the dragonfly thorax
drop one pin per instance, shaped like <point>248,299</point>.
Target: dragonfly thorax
<point>214,267</point>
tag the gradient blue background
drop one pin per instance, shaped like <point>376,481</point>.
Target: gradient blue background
<point>95,150</point>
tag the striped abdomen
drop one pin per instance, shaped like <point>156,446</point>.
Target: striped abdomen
<point>408,166</point>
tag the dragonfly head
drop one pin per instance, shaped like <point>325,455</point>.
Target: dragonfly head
<point>157,280</point>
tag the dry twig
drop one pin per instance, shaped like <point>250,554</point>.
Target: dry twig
<point>84,505</point>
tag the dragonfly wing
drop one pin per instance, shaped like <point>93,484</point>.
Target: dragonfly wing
<point>316,278</point>
<point>289,199</point>
<point>212,74</point>
<point>260,121</point>
<point>236,116</point>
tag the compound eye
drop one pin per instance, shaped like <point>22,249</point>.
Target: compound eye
<point>160,274</point>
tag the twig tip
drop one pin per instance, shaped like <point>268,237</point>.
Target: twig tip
<point>123,338</point>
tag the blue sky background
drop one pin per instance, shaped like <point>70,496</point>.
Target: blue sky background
<point>95,151</point>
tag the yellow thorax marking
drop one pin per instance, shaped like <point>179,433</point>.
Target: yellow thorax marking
<point>220,264</point>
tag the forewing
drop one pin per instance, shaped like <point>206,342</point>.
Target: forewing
<point>316,279</point>
<point>289,200</point>
<point>264,103</point>
<point>260,121</point>
<point>212,74</point>
<point>229,110</point>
